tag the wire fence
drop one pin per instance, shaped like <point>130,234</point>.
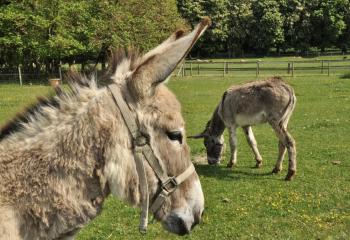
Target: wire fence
<point>21,77</point>
<point>257,68</point>
<point>28,78</point>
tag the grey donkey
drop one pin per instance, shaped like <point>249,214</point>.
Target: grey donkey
<point>271,101</point>
<point>62,158</point>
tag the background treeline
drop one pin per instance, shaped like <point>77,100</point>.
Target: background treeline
<point>259,26</point>
<point>39,34</point>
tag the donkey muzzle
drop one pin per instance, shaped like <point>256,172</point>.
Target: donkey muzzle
<point>213,161</point>
<point>180,225</point>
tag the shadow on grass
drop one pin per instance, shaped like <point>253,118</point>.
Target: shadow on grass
<point>223,173</point>
<point>345,76</point>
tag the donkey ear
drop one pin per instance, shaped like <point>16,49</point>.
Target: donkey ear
<point>200,135</point>
<point>203,134</point>
<point>157,65</point>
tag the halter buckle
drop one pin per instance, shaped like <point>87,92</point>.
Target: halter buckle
<point>170,185</point>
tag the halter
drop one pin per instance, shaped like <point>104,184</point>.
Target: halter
<point>142,150</point>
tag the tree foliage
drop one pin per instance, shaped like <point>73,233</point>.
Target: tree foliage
<point>40,33</point>
<point>260,25</point>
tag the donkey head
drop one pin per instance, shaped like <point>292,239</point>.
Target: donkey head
<point>158,114</point>
<point>214,144</point>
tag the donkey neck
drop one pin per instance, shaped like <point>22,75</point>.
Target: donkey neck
<point>216,127</point>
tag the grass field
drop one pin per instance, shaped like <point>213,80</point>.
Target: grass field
<point>248,203</point>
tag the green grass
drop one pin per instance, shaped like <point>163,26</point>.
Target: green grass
<point>316,205</point>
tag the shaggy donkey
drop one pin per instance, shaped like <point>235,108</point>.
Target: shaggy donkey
<point>271,101</point>
<point>60,165</point>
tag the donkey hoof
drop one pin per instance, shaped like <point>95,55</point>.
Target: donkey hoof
<point>229,165</point>
<point>258,164</point>
<point>276,170</point>
<point>290,175</point>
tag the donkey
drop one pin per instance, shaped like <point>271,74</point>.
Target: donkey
<point>57,168</point>
<point>270,101</point>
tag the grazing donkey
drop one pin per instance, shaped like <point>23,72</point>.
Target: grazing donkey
<point>271,101</point>
<point>58,166</point>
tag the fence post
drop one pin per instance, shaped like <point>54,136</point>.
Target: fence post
<point>257,68</point>
<point>20,75</point>
<point>190,68</point>
<point>198,69</point>
<point>293,69</point>
<point>328,68</point>
<point>288,69</point>
<point>60,72</point>
<point>180,70</point>
<point>183,69</point>
<point>224,69</point>
<point>322,67</point>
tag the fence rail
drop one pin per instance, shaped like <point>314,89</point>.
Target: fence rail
<point>213,68</point>
<point>21,77</point>
<point>289,68</point>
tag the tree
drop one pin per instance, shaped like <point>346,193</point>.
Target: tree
<point>267,26</point>
<point>296,25</point>
<point>43,33</point>
<point>239,27</point>
<point>327,23</point>
<point>215,38</point>
<point>22,35</point>
<point>343,8</point>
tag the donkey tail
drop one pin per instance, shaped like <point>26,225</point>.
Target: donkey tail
<point>289,108</point>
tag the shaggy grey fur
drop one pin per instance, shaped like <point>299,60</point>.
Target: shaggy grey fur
<point>57,168</point>
<point>271,101</point>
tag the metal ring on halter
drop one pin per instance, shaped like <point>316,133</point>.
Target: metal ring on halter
<point>140,140</point>
<point>173,185</point>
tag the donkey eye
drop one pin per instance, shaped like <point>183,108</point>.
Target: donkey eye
<point>175,136</point>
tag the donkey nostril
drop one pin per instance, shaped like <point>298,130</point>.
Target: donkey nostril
<point>182,227</point>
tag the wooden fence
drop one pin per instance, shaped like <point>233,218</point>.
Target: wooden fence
<point>18,76</point>
<point>213,68</point>
<point>257,68</point>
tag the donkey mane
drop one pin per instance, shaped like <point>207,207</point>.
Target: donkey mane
<point>75,81</point>
<point>14,125</point>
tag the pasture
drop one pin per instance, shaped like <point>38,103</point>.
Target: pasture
<point>249,203</point>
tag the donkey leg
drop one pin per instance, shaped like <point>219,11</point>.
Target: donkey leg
<point>253,145</point>
<point>288,141</point>
<point>233,146</point>
<point>292,165</point>
<point>281,153</point>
